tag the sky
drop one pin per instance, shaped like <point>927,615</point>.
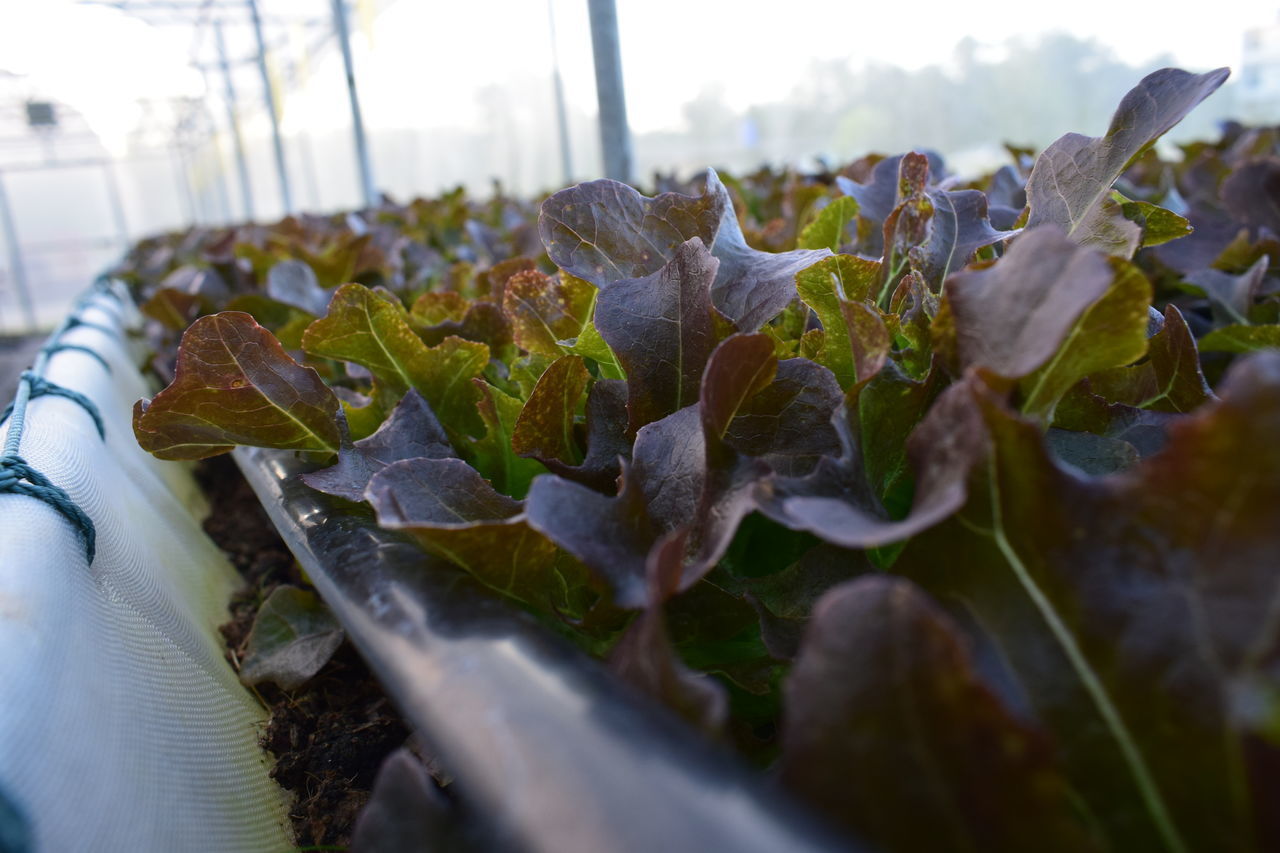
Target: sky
<point>757,50</point>
<point>421,61</point>
<point>765,44</point>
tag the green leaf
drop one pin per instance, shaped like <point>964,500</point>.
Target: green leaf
<point>175,309</point>
<point>855,341</point>
<point>1241,339</point>
<point>456,514</point>
<point>889,408</point>
<point>483,323</point>
<point>545,310</point>
<point>235,384</point>
<point>828,230</point>
<point>492,453</point>
<point>364,328</point>
<point>914,308</point>
<point>270,313</point>
<point>374,332</point>
<point>544,430</point>
<point>435,307</point>
<point>1158,224</point>
<point>1070,184</point>
<point>1169,380</point>
<point>590,345</point>
<point>363,420</point>
<point>607,439</point>
<point>1013,317</point>
<point>293,636</point>
<point>1112,332</point>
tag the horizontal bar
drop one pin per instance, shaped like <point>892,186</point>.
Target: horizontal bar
<point>540,739</point>
<point>80,163</point>
<point>70,243</point>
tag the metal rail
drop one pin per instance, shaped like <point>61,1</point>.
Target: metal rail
<point>542,741</point>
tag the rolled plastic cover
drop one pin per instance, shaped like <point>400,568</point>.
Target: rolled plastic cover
<point>121,725</point>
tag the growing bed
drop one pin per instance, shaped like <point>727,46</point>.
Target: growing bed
<point>948,508</point>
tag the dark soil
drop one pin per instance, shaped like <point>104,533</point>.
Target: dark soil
<point>329,736</point>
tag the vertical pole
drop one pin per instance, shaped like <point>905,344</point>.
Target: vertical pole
<point>182,177</point>
<point>357,123</point>
<point>615,138</point>
<point>217,169</point>
<point>242,165</point>
<point>17,270</point>
<point>562,118</point>
<point>117,204</point>
<point>309,169</point>
<point>286,197</point>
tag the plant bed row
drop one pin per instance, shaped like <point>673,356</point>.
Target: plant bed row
<point>951,504</point>
<point>329,734</point>
<point>547,747</point>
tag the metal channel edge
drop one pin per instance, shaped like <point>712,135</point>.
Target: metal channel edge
<point>540,738</point>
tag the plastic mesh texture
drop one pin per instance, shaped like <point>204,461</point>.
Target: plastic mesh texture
<point>122,728</point>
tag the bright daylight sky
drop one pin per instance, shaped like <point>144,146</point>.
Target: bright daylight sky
<point>429,56</point>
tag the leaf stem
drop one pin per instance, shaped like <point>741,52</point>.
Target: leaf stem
<point>1147,789</point>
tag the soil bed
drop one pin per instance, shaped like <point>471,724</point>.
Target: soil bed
<point>329,736</point>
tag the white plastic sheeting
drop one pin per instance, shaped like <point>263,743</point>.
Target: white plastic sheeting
<point>122,728</point>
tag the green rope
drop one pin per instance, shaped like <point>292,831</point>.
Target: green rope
<point>90,299</point>
<point>19,478</point>
<point>50,349</point>
<point>75,321</point>
<point>16,475</point>
<point>41,387</point>
<point>15,828</point>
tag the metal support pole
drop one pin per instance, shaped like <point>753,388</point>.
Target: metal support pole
<point>303,141</point>
<point>357,123</point>
<point>562,119</point>
<point>218,171</point>
<point>615,137</point>
<point>286,197</point>
<point>182,177</point>
<point>242,165</point>
<point>17,270</point>
<point>116,203</point>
